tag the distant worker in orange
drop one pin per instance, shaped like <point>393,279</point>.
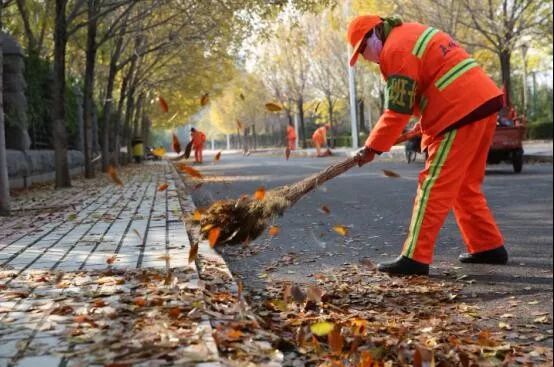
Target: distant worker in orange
<point>198,139</point>
<point>319,139</point>
<point>430,76</point>
<point>291,136</point>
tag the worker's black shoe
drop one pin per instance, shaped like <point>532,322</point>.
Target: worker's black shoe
<point>404,266</point>
<point>497,256</point>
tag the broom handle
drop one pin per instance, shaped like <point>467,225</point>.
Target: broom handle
<point>295,192</point>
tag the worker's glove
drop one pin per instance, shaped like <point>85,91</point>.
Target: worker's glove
<point>364,155</point>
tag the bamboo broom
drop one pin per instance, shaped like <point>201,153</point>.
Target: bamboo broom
<point>244,219</point>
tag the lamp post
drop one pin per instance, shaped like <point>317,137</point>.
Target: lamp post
<point>351,88</point>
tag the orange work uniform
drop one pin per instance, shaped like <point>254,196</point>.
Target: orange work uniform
<point>429,75</point>
<point>198,140</point>
<point>319,136</point>
<point>291,137</point>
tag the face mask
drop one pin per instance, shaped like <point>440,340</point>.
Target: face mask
<point>374,47</point>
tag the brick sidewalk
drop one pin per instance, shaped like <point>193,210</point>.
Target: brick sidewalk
<point>58,259</point>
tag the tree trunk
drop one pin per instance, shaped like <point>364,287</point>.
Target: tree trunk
<point>505,57</point>
<point>137,118</point>
<point>89,85</point>
<point>59,134</point>
<point>4,182</point>
<point>300,106</point>
<point>127,128</point>
<point>121,103</point>
<point>106,114</point>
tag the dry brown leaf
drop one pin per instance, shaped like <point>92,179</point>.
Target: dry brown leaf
<point>260,193</point>
<point>176,145</point>
<point>213,236</point>
<point>99,303</point>
<point>163,104</point>
<point>273,231</point>
<point>336,340</point>
<point>136,232</point>
<point>325,209</point>
<point>204,99</point>
<point>314,293</point>
<point>139,301</point>
<point>297,294</point>
<point>163,187</point>
<point>340,229</point>
<point>112,172</point>
<point>110,260</point>
<point>233,334</point>
<point>366,360</point>
<point>217,157</point>
<point>423,357</point>
<point>174,312</point>
<point>193,253</point>
<point>189,170</point>
<point>390,173</point>
<point>242,96</point>
<point>273,107</point>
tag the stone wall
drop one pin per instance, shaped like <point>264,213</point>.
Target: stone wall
<point>38,166</point>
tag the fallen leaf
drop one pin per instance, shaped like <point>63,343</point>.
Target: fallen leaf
<point>366,360</point>
<point>273,231</point>
<point>163,187</point>
<point>110,260</point>
<point>217,157</point>
<point>174,312</point>
<point>139,301</point>
<point>164,257</point>
<point>273,107</point>
<point>504,325</point>
<point>322,328</point>
<point>340,229</point>
<point>213,236</point>
<point>260,193</point>
<point>197,216</point>
<point>325,209</point>
<point>234,334</point>
<point>99,303</point>
<point>158,152</point>
<point>390,173</point>
<point>423,357</point>
<point>314,293</point>
<point>193,253</point>
<point>190,171</point>
<point>297,294</point>
<point>204,99</point>
<point>176,145</point>
<point>336,340</point>
<point>136,232</point>
<point>163,104</point>
<point>112,172</point>
<point>241,96</point>
<point>542,320</point>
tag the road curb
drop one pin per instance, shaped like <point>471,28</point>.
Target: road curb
<point>209,263</point>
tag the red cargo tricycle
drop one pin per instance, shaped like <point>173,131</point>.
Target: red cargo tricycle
<point>507,144</point>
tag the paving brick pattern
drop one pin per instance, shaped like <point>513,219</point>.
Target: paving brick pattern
<point>137,224</point>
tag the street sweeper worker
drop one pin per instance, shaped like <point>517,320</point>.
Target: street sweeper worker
<point>291,136</point>
<point>319,138</point>
<point>198,139</point>
<point>429,75</point>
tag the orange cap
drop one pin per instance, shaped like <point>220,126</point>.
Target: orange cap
<point>357,29</point>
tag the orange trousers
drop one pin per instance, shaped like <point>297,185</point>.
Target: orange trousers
<point>451,179</point>
<point>198,153</point>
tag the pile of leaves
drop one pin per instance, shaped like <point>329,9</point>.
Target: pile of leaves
<point>356,316</point>
<point>114,317</point>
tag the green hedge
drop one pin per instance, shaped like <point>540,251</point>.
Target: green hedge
<point>540,130</point>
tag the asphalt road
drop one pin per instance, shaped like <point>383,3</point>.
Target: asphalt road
<point>377,210</point>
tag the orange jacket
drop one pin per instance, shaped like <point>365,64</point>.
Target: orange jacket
<point>320,135</point>
<point>429,75</point>
<point>198,139</point>
<point>291,134</point>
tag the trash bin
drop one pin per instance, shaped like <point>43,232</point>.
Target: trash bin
<point>138,149</point>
